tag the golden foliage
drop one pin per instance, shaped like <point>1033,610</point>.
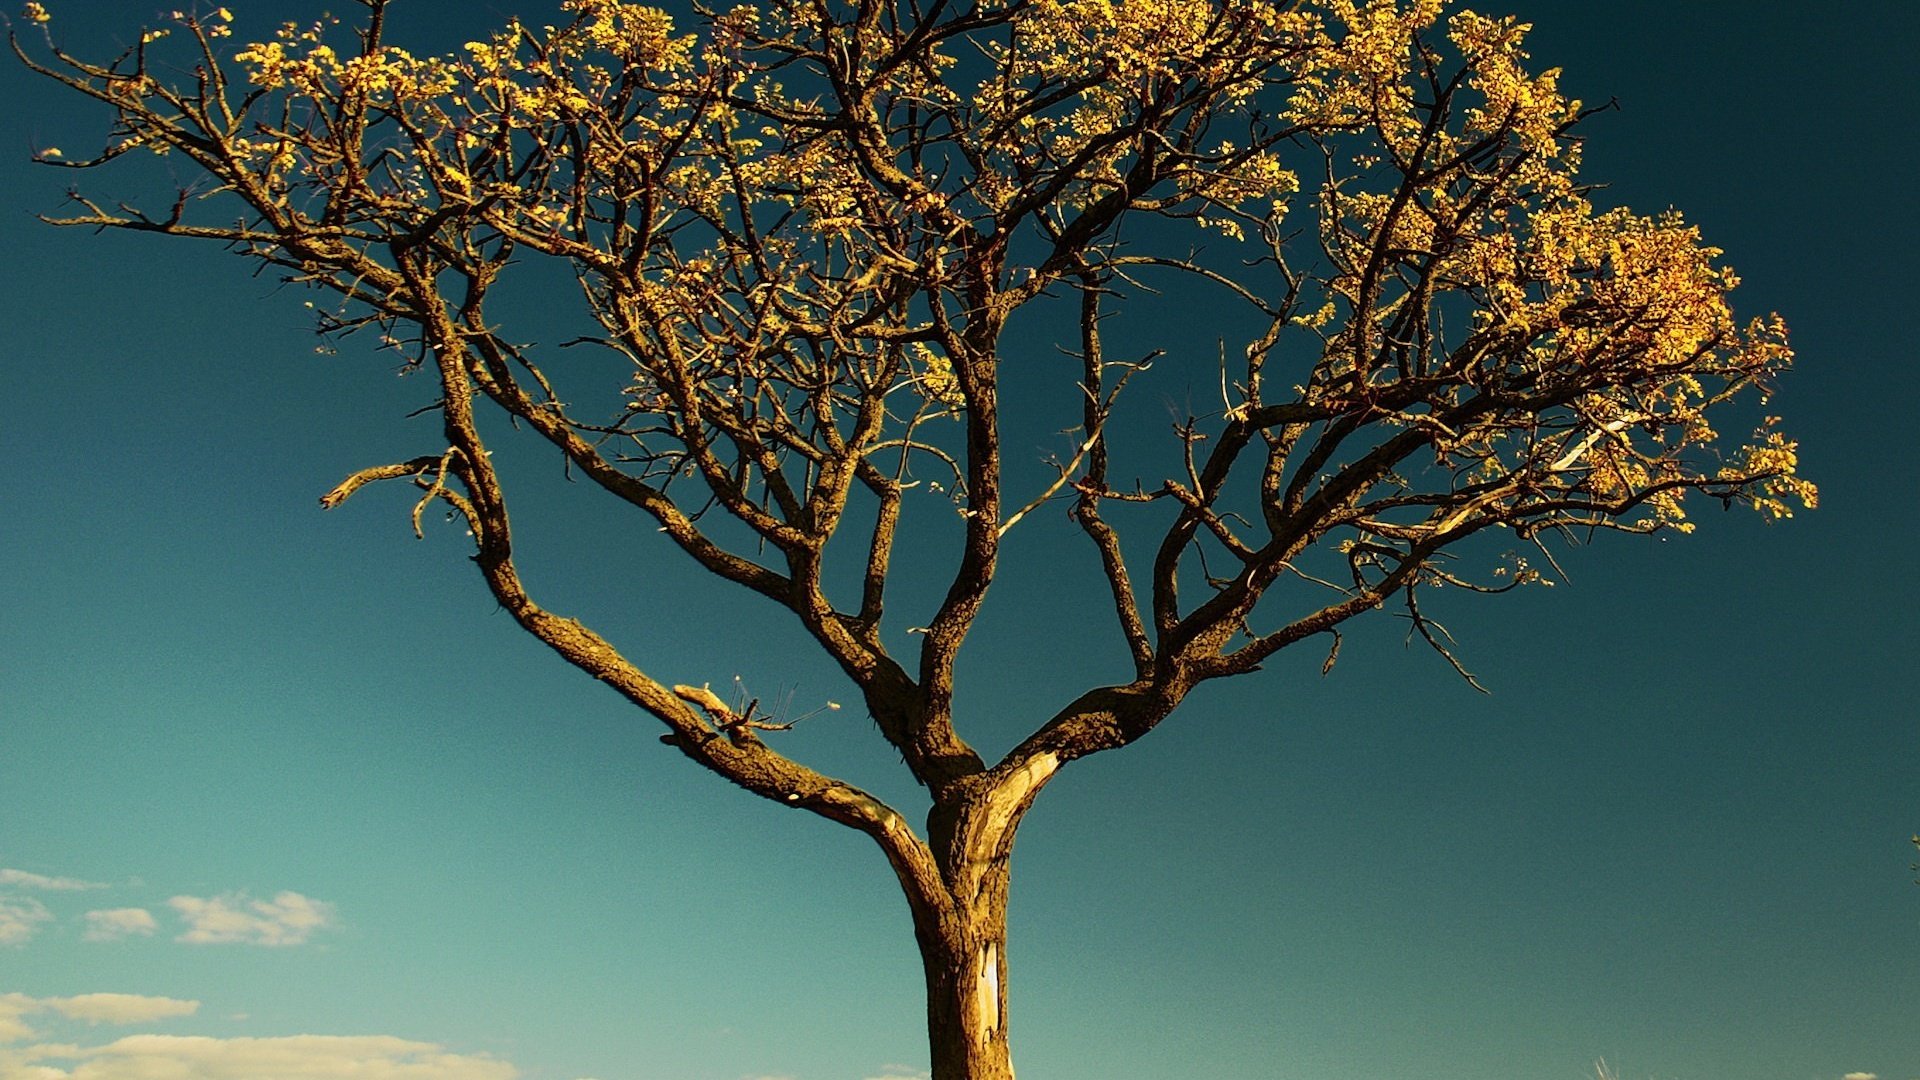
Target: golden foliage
<point>794,211</point>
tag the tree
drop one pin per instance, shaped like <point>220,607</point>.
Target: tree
<point>810,230</point>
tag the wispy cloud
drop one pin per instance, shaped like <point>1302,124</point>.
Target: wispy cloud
<point>23,879</point>
<point>117,923</point>
<point>120,1008</point>
<point>1861,1076</point>
<point>92,1008</point>
<point>13,1007</point>
<point>236,919</point>
<point>20,918</point>
<point>294,1057</point>
<point>900,1072</point>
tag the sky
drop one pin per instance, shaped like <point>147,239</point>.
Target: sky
<point>284,796</point>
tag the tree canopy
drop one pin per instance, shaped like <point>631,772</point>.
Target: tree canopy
<point>812,231</point>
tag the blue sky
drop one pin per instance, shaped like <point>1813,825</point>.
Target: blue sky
<point>282,794</point>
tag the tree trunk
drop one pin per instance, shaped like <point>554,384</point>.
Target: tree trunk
<point>966,968</point>
<point>959,901</point>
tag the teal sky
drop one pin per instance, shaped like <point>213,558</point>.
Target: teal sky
<point>373,828</point>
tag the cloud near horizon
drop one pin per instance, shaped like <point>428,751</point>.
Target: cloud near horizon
<point>237,919</point>
<point>12,1008</point>
<point>117,923</point>
<point>120,1008</point>
<point>25,880</point>
<point>92,1008</point>
<point>21,918</point>
<point>292,1057</point>
<point>149,1056</point>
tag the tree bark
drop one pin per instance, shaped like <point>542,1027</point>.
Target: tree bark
<point>966,970</point>
<point>960,921</point>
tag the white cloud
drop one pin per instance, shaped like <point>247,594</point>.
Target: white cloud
<point>116,923</point>
<point>25,880</point>
<point>120,1008</point>
<point>1861,1076</point>
<point>93,1008</point>
<point>294,1057</point>
<point>900,1072</point>
<point>233,918</point>
<point>12,1008</point>
<point>20,918</point>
